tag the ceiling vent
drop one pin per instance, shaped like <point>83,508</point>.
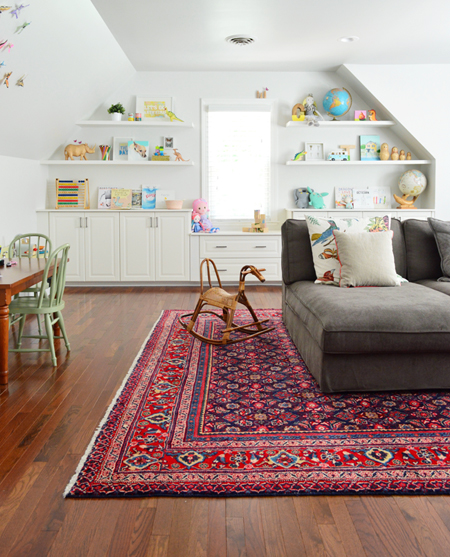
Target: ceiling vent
<point>240,40</point>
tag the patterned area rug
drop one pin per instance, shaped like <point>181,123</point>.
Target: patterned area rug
<point>249,419</point>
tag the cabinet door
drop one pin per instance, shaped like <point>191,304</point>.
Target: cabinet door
<point>172,246</point>
<point>68,228</point>
<point>102,246</point>
<point>137,251</point>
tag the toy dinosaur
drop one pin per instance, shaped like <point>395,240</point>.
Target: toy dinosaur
<point>178,156</point>
<point>172,116</point>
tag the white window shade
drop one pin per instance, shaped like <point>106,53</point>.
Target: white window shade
<point>237,160</point>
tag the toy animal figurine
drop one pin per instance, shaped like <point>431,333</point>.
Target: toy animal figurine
<point>172,116</point>
<point>394,154</point>
<point>7,76</point>
<point>402,155</point>
<point>71,151</point>
<point>298,156</point>
<point>372,115</point>
<point>384,152</point>
<point>312,113</point>
<point>408,156</point>
<point>316,199</point>
<point>178,156</point>
<point>301,196</point>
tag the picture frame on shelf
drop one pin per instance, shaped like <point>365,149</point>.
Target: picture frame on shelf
<point>370,147</point>
<point>120,148</point>
<point>381,196</point>
<point>138,150</point>
<point>314,151</point>
<point>168,142</point>
<point>360,115</point>
<point>152,107</point>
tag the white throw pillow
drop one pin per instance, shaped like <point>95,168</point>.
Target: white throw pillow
<point>323,244</point>
<point>366,259</point>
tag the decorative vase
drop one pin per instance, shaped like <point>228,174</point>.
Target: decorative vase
<point>106,151</point>
<point>117,116</point>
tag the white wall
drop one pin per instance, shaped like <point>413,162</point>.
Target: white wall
<point>187,90</point>
<point>22,186</point>
<point>417,96</point>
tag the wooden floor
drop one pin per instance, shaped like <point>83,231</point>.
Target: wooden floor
<point>47,418</point>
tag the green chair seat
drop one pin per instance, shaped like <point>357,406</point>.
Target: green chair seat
<point>31,305</point>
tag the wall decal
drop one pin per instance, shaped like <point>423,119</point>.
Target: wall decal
<point>18,9</point>
<point>19,82</point>
<point>7,76</point>
<point>22,27</point>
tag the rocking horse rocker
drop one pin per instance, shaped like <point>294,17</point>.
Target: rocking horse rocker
<point>217,297</point>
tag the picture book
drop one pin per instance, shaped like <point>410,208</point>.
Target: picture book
<point>161,196</point>
<point>148,197</point>
<point>121,198</point>
<point>138,150</point>
<point>343,198</point>
<point>104,197</point>
<point>381,197</point>
<point>136,199</point>
<point>362,198</point>
<point>370,147</point>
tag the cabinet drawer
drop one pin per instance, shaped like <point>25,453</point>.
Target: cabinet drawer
<point>422,215</point>
<point>238,246</point>
<point>229,269</point>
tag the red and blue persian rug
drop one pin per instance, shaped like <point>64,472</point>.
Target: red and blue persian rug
<point>249,419</point>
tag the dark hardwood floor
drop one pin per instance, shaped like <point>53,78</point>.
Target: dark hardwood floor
<point>48,416</point>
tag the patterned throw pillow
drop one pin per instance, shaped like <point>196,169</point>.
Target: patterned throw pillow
<point>323,244</point>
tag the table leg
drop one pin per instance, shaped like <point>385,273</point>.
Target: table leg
<point>4,335</point>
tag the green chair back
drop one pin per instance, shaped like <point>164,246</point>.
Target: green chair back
<point>58,282</point>
<point>34,238</point>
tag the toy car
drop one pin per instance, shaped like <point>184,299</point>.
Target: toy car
<point>338,156</point>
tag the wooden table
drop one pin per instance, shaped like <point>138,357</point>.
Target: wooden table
<point>13,280</point>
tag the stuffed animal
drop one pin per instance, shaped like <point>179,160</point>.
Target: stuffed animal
<point>301,197</point>
<point>316,199</point>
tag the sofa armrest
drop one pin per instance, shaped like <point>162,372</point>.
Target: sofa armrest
<point>296,255</point>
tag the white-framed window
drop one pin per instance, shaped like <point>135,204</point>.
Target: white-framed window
<point>236,152</point>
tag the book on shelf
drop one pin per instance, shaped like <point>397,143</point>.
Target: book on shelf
<point>121,198</point>
<point>362,198</point>
<point>343,198</point>
<point>104,197</point>
<point>136,199</point>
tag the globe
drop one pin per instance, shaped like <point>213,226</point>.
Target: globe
<point>337,102</point>
<point>412,182</point>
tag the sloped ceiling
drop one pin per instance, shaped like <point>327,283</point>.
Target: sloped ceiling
<point>71,62</point>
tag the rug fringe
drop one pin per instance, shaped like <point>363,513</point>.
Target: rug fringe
<point>108,411</point>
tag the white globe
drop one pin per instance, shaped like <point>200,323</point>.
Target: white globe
<point>412,182</point>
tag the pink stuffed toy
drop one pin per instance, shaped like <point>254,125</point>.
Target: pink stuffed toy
<point>200,206</point>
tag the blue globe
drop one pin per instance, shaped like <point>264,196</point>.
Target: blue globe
<point>337,102</point>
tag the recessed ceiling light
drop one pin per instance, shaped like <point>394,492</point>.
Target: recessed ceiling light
<point>240,40</point>
<point>349,39</point>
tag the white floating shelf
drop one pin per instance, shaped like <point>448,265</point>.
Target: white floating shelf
<point>357,163</point>
<point>135,124</point>
<point>342,124</point>
<point>117,163</point>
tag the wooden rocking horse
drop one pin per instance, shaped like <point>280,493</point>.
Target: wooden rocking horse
<point>217,297</point>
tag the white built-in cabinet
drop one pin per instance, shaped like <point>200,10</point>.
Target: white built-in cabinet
<point>127,246</point>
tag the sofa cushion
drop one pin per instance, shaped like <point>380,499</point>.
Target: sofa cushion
<point>443,286</point>
<point>422,254</point>
<point>373,320</point>
<point>366,259</point>
<point>441,230</point>
<point>323,244</point>
<point>296,256</point>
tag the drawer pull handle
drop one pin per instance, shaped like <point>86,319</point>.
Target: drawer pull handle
<point>221,246</point>
<point>260,246</point>
<point>222,270</point>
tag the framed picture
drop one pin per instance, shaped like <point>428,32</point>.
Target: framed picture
<point>314,151</point>
<point>138,150</point>
<point>370,147</point>
<point>153,107</point>
<point>168,143</point>
<point>120,148</point>
<point>360,115</point>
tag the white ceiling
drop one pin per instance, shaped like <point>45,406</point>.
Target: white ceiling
<point>291,35</point>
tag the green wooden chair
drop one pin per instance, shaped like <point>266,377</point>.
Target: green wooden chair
<point>24,245</point>
<point>49,306</point>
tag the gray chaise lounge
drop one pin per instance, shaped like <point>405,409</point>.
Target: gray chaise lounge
<point>376,338</point>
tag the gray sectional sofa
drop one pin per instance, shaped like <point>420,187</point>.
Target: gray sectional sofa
<point>374,338</point>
